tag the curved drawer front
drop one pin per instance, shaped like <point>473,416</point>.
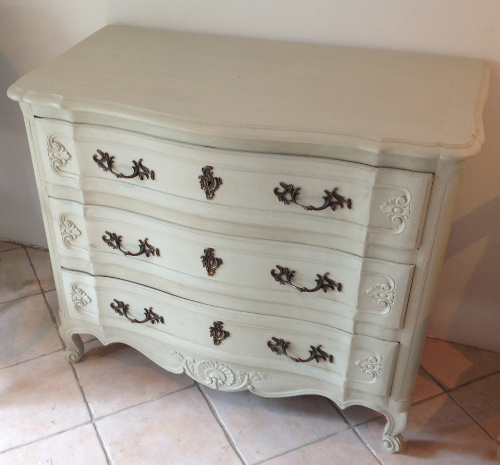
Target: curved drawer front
<point>298,281</point>
<point>276,197</point>
<point>231,335</point>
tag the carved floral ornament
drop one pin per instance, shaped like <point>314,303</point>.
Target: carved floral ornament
<point>371,366</point>
<point>383,294</point>
<point>69,231</point>
<point>217,375</point>
<point>58,155</point>
<point>79,298</point>
<point>397,209</point>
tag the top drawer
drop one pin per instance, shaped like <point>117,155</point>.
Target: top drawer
<point>258,195</point>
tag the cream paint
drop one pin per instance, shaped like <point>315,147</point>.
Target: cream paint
<point>31,34</point>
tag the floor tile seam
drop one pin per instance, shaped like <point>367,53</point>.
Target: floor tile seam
<point>341,412</point>
<point>470,415</point>
<point>33,268</point>
<point>463,344</point>
<point>91,415</point>
<point>221,423</point>
<point>8,250</point>
<point>360,437</point>
<point>31,359</point>
<point>43,438</point>
<point>20,298</point>
<point>167,394</point>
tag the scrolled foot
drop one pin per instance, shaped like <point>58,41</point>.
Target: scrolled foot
<point>72,356</point>
<point>393,444</point>
<point>74,346</point>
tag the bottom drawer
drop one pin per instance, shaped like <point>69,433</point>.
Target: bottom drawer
<point>269,342</point>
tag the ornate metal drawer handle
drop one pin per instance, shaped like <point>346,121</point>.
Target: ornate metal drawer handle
<point>322,282</point>
<point>332,199</point>
<point>279,346</point>
<point>145,248</point>
<point>217,333</point>
<point>210,262</point>
<point>122,310</point>
<point>208,182</point>
<point>106,163</point>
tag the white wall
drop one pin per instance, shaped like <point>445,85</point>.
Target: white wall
<point>468,303</point>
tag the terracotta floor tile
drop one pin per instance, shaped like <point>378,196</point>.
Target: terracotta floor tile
<point>26,330</point>
<point>4,246</point>
<point>78,446</point>
<point>425,387</point>
<point>115,377</point>
<point>43,269</point>
<point>178,429</point>
<point>263,428</point>
<point>39,398</point>
<point>343,449</point>
<point>438,433</point>
<point>482,400</point>
<point>455,364</point>
<point>17,278</point>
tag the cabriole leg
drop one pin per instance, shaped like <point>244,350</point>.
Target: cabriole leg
<point>396,424</point>
<point>74,345</point>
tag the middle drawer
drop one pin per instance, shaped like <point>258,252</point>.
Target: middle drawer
<point>259,276</point>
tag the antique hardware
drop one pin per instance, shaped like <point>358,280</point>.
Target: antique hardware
<point>210,261</point>
<point>106,163</point>
<point>279,346</point>
<point>145,248</point>
<point>322,282</point>
<point>331,199</point>
<point>208,182</point>
<point>122,310</point>
<point>217,333</point>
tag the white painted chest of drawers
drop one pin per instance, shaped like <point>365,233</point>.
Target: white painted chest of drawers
<point>259,215</point>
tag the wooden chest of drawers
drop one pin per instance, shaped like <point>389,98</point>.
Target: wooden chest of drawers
<point>259,215</point>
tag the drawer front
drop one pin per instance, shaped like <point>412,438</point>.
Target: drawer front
<point>233,336</point>
<point>336,204</point>
<point>290,280</point>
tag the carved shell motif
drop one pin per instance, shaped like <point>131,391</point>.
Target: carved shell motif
<point>383,294</point>
<point>79,297</point>
<point>397,210</point>
<point>69,232</point>
<point>58,155</point>
<point>217,375</point>
<point>371,366</point>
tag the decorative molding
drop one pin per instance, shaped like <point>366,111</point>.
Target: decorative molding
<point>397,210</point>
<point>217,375</point>
<point>69,232</point>
<point>383,294</point>
<point>79,297</point>
<point>58,155</point>
<point>371,366</point>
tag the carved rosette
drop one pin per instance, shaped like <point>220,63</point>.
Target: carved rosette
<point>58,155</point>
<point>69,232</point>
<point>397,210</point>
<point>79,297</point>
<point>217,375</point>
<point>383,294</point>
<point>371,366</point>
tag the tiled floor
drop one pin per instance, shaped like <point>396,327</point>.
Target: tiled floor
<point>117,407</point>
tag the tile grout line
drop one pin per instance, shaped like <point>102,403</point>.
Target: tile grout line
<point>212,408</point>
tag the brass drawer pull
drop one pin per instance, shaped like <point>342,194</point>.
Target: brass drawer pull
<point>322,282</point>
<point>122,310</point>
<point>331,199</point>
<point>217,333</point>
<point>210,262</point>
<point>208,182</point>
<point>106,163</point>
<point>145,248</point>
<point>279,346</point>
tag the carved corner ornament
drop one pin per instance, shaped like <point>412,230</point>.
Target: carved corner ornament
<point>208,182</point>
<point>210,262</point>
<point>58,155</point>
<point>383,294</point>
<point>69,231</point>
<point>397,209</point>
<point>371,366</point>
<point>79,298</point>
<point>217,375</point>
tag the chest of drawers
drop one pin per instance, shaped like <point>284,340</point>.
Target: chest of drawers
<point>259,215</point>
